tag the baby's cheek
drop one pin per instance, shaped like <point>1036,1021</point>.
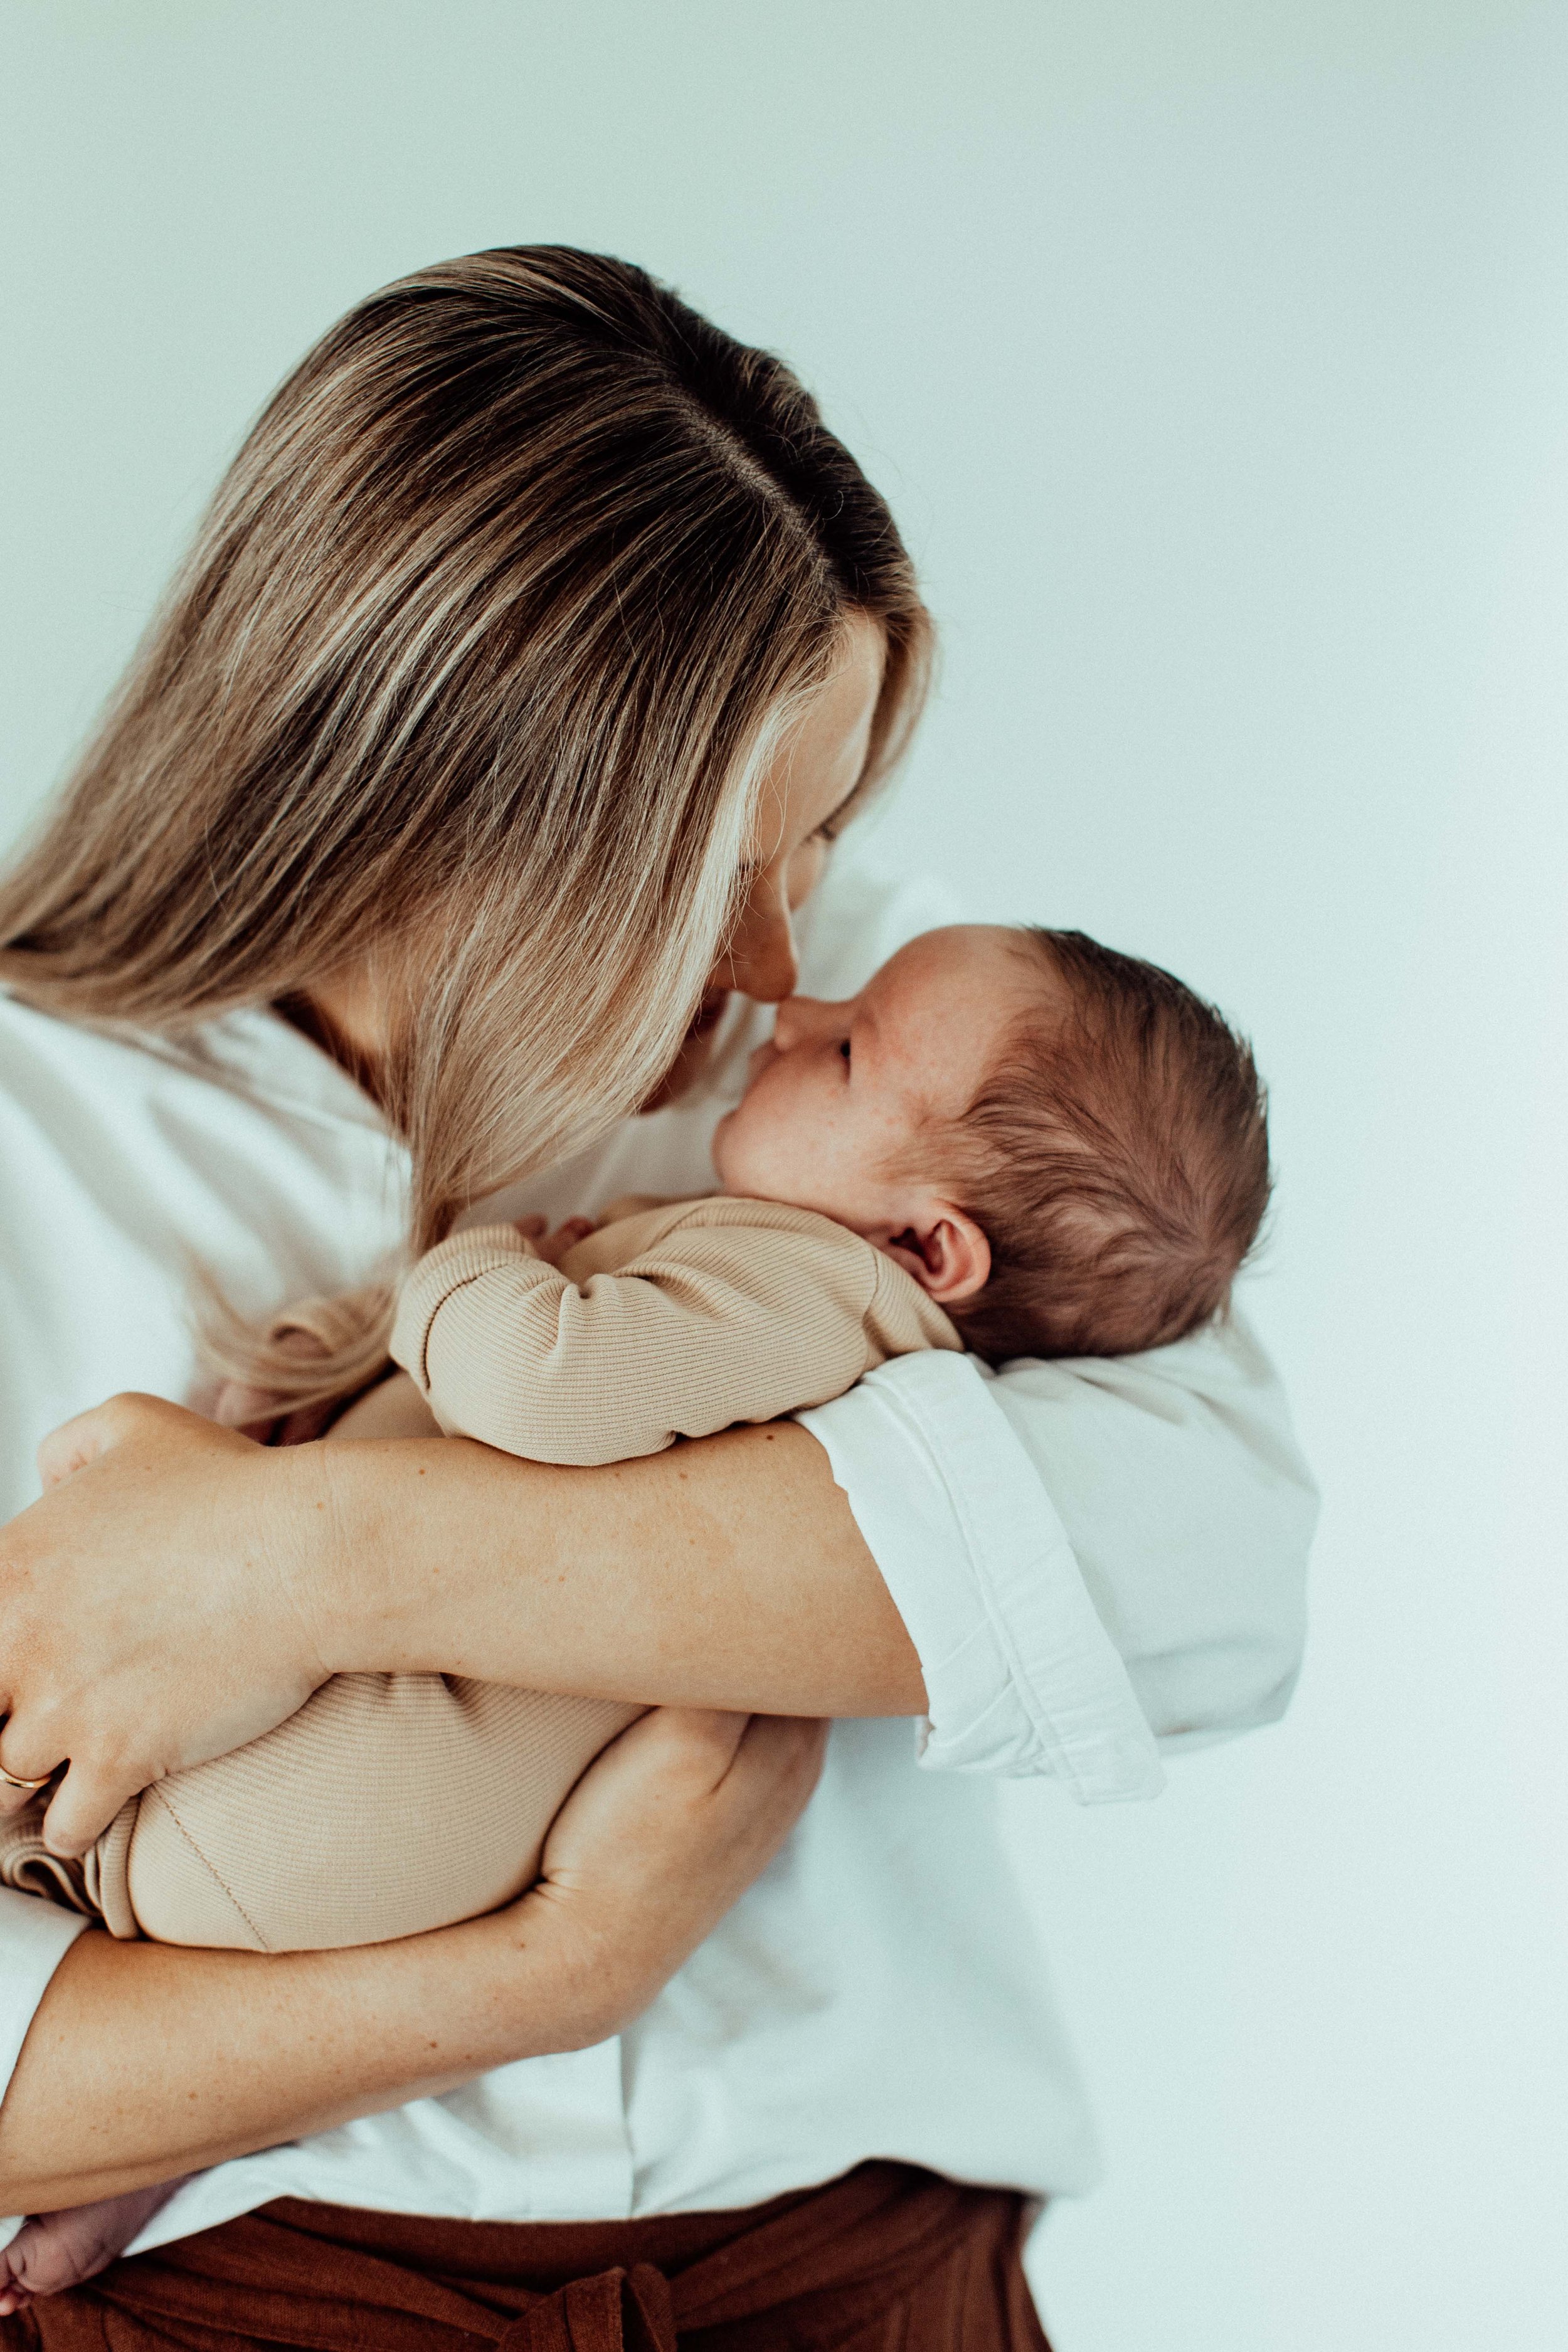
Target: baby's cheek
<point>730,1148</point>
<point>749,1150</point>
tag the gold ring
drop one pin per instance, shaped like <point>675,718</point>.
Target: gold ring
<point>12,1781</point>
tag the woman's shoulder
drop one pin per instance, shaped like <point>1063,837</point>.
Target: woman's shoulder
<point>135,1171</point>
<point>250,1052</point>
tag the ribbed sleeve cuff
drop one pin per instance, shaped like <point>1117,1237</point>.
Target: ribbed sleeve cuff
<point>460,1259</point>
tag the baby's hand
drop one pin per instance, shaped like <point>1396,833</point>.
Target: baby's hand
<point>637,1204</point>
<point>56,2250</point>
<point>553,1246</point>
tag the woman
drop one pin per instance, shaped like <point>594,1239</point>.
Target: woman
<point>540,642</point>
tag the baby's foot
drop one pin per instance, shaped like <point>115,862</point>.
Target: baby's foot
<point>60,2250</point>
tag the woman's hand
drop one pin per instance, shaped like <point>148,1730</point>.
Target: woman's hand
<point>148,1617</point>
<point>660,1836</point>
<point>180,1591</point>
<point>146,2061</point>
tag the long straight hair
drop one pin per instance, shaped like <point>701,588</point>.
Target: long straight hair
<point>472,672</point>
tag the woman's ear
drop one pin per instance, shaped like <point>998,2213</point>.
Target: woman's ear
<point>946,1252</point>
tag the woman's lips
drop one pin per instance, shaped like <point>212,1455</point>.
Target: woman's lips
<point>710,1013</point>
<point>691,1057</point>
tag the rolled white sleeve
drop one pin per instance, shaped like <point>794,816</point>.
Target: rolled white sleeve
<point>1020,1675</point>
<point>34,1937</point>
<point>1094,1560</point>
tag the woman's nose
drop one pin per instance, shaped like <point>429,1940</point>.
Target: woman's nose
<point>764,964</point>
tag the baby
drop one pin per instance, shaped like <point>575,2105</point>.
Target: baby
<point>1013,1141</point>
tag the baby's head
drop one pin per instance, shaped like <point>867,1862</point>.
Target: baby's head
<point>1063,1146</point>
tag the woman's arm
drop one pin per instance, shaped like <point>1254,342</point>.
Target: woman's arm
<point>729,1572</point>
<point>145,2062</point>
<point>1082,1556</point>
<point>183,1591</point>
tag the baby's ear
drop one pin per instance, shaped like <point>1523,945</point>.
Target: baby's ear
<point>946,1252</point>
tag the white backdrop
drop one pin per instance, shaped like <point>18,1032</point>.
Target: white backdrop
<point>1214,360</point>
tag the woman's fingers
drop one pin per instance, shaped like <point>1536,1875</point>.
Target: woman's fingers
<point>145,1622</point>
<point>86,1801</point>
<point>662,1834</point>
<point>686,1776</point>
<point>642,1786</point>
<point>22,1785</point>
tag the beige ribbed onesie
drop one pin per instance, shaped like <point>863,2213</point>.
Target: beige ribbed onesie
<point>395,1803</point>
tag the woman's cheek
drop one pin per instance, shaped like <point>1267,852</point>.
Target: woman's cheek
<point>807,868</point>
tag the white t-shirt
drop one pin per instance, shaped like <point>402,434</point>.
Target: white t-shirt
<point>1091,1559</point>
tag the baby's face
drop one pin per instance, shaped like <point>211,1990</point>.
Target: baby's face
<point>834,1115</point>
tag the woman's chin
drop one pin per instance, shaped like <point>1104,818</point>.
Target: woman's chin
<point>694,1058</point>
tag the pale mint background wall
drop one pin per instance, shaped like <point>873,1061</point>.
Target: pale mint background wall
<point>1215,357</point>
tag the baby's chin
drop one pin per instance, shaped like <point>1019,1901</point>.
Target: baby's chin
<point>723,1159</point>
<point>740,1168</point>
<point>749,1170</point>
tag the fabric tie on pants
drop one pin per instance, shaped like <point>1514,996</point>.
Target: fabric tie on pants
<point>889,2256</point>
<point>618,2311</point>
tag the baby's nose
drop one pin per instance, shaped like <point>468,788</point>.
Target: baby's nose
<point>792,1021</point>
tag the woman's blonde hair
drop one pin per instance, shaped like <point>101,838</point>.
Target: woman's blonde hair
<point>473,670</point>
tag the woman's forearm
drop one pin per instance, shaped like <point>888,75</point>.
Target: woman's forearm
<point>729,1572</point>
<point>145,2062</point>
<point>178,1590</point>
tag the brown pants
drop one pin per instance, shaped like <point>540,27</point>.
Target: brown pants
<point>888,2259</point>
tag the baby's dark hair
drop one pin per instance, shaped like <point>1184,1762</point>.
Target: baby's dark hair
<point>1118,1162</point>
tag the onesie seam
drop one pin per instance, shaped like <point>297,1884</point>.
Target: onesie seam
<point>216,1876</point>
